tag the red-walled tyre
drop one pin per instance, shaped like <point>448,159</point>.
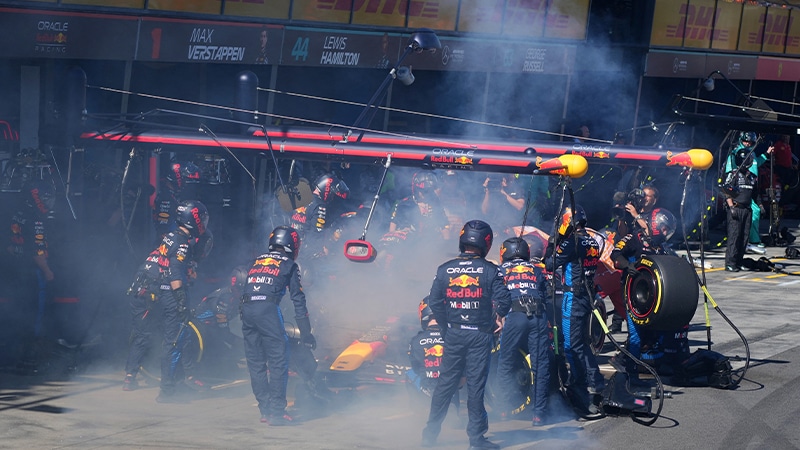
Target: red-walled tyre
<point>664,293</point>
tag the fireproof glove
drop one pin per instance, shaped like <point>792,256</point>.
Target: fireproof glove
<point>182,301</point>
<point>631,269</point>
<point>548,252</point>
<point>309,341</point>
<point>306,338</point>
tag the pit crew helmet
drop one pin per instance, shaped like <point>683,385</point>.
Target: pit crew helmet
<point>425,314</point>
<point>286,239</point>
<point>424,183</point>
<point>329,186</point>
<point>238,278</point>
<point>192,215</point>
<point>663,224</point>
<point>569,219</point>
<point>41,196</point>
<point>478,234</point>
<point>536,246</point>
<point>174,177</point>
<point>747,136</point>
<point>515,248</point>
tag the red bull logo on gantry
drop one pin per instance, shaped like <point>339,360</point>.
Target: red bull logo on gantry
<point>695,158</point>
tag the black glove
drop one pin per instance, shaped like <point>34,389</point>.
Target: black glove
<point>182,301</point>
<point>631,269</point>
<point>306,338</point>
<point>309,341</point>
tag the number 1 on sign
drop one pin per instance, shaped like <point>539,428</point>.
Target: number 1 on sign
<point>300,49</point>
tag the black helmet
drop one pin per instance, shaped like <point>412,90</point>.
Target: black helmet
<point>536,246</point>
<point>191,172</point>
<point>747,136</point>
<point>239,277</point>
<point>515,248</point>
<point>568,219</point>
<point>425,313</point>
<point>285,238</point>
<point>424,183</point>
<point>193,216</point>
<point>329,186</point>
<point>40,196</point>
<point>174,177</point>
<point>663,224</point>
<point>478,234</point>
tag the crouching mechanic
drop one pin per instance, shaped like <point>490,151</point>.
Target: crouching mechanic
<point>425,352</point>
<point>649,235</point>
<point>217,316</point>
<point>265,339</point>
<point>461,299</point>
<point>524,322</point>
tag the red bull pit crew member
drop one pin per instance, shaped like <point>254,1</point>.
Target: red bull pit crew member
<point>27,264</point>
<point>166,271</point>
<point>525,324</point>
<point>461,299</point>
<point>425,352</point>
<point>265,338</point>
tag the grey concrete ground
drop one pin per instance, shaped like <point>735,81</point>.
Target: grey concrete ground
<point>87,409</point>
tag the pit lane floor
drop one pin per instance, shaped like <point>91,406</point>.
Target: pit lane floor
<point>88,410</point>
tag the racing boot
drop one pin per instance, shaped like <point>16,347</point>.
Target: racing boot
<point>429,435</point>
<point>482,443</point>
<point>130,383</point>
<point>196,384</point>
<point>278,420</point>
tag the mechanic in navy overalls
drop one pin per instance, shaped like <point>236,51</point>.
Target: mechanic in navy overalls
<point>461,299</point>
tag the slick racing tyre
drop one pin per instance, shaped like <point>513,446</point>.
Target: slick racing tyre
<point>194,346</point>
<point>664,293</point>
<point>518,392</point>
